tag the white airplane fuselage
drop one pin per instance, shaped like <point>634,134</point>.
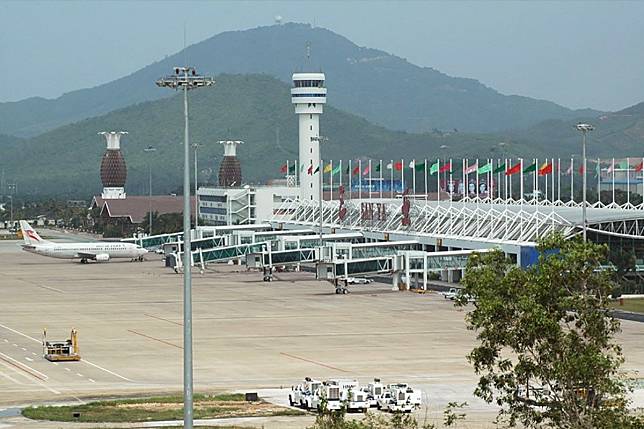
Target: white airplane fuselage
<point>82,250</point>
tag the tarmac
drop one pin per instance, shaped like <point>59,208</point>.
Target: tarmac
<point>248,336</point>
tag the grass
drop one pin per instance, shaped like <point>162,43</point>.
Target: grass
<point>159,408</point>
<point>636,305</point>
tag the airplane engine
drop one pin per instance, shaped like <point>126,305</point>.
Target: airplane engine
<point>103,257</point>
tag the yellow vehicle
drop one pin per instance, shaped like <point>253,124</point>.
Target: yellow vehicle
<point>61,351</point>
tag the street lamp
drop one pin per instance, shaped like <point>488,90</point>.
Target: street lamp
<point>320,139</point>
<point>196,146</point>
<point>149,150</point>
<point>186,78</point>
<point>583,128</point>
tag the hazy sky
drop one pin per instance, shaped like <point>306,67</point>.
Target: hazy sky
<point>579,54</point>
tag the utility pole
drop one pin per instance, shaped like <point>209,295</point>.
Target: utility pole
<point>149,150</point>
<point>186,78</point>
<point>196,147</point>
<point>584,129</point>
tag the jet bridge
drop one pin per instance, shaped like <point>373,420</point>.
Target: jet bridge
<point>153,242</point>
<point>411,263</point>
<point>218,254</point>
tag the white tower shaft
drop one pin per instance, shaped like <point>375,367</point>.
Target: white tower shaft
<point>309,96</point>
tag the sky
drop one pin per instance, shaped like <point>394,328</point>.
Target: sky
<point>578,54</point>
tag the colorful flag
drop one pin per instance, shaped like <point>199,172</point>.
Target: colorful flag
<point>284,168</point>
<point>546,168</point>
<point>328,168</point>
<point>611,168</point>
<point>398,166</point>
<point>412,164</point>
<point>472,168</point>
<point>446,167</point>
<point>336,170</point>
<point>516,168</point>
<point>581,169</point>
<point>530,168</point>
<point>434,168</point>
<point>390,166</point>
<point>499,169</point>
<point>309,171</point>
<point>419,166</point>
<point>356,170</point>
<point>485,169</point>
<point>569,171</point>
<point>291,169</point>
<point>639,167</point>
<point>366,170</point>
<point>377,167</point>
<point>317,169</point>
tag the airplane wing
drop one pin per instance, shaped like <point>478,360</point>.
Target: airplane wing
<point>86,255</point>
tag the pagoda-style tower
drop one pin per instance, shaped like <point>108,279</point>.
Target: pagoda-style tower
<point>113,168</point>
<point>230,173</point>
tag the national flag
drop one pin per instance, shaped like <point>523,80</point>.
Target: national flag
<point>434,168</point>
<point>377,167</point>
<point>569,171</point>
<point>546,168</point>
<point>472,168</point>
<point>317,169</point>
<point>499,169</point>
<point>390,166</point>
<point>625,165</point>
<point>328,168</point>
<point>611,168</point>
<point>581,169</point>
<point>398,166</point>
<point>336,170</point>
<point>366,170</point>
<point>419,166</point>
<point>412,164</point>
<point>284,168</point>
<point>485,169</point>
<point>309,171</point>
<point>516,168</point>
<point>530,168</point>
<point>356,170</point>
<point>639,167</point>
<point>291,169</point>
<point>446,167</point>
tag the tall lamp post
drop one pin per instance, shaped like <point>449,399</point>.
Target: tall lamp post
<point>584,129</point>
<point>149,150</point>
<point>196,147</point>
<point>186,78</point>
<point>320,139</point>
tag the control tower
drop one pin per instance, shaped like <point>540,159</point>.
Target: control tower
<point>309,96</point>
<point>113,168</point>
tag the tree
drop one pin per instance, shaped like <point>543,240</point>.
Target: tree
<point>546,352</point>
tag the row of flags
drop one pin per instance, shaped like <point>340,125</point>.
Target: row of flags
<point>543,170</point>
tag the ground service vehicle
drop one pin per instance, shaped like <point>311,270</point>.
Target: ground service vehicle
<point>302,394</point>
<point>374,391</point>
<point>351,394</point>
<point>328,393</point>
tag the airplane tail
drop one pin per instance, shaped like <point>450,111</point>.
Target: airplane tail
<point>29,235</point>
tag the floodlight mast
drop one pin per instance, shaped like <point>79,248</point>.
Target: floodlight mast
<point>186,78</point>
<point>584,128</point>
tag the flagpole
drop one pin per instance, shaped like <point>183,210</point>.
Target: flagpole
<point>391,188</point>
<point>350,180</point>
<point>370,182</point>
<point>558,179</point>
<point>613,181</point>
<point>552,192</point>
<point>572,180</point>
<point>360,179</point>
<point>521,189</point>
<point>331,179</point>
<point>425,169</point>
<point>402,174</point>
<point>340,172</point>
<point>380,168</point>
<point>465,185</point>
<point>598,171</point>
<point>412,164</point>
<point>438,181</point>
<point>628,181</point>
<point>477,183</point>
<point>451,183</point>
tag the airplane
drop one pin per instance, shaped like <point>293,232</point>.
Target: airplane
<point>100,251</point>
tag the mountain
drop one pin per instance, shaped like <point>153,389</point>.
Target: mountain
<point>616,134</point>
<point>254,108</point>
<point>383,88</point>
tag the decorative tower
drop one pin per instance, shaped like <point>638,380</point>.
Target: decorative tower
<point>113,169</point>
<point>309,96</point>
<point>230,173</point>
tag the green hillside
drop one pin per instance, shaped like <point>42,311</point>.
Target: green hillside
<point>253,108</point>
<point>381,87</point>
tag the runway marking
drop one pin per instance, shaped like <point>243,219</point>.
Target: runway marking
<point>51,288</point>
<point>106,370</point>
<point>29,359</point>
<point>19,333</point>
<point>34,353</point>
<point>161,318</point>
<point>91,380</point>
<point>313,362</point>
<point>5,340</point>
<point>8,377</point>
<point>67,369</point>
<point>21,366</point>
<point>15,345</point>
<point>155,339</point>
<point>23,349</point>
<point>79,374</point>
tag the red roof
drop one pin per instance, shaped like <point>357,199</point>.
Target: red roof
<point>137,207</point>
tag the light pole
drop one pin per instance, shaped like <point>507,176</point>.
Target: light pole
<point>149,150</point>
<point>186,78</point>
<point>320,139</point>
<point>196,147</point>
<point>583,128</point>
<point>11,218</point>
